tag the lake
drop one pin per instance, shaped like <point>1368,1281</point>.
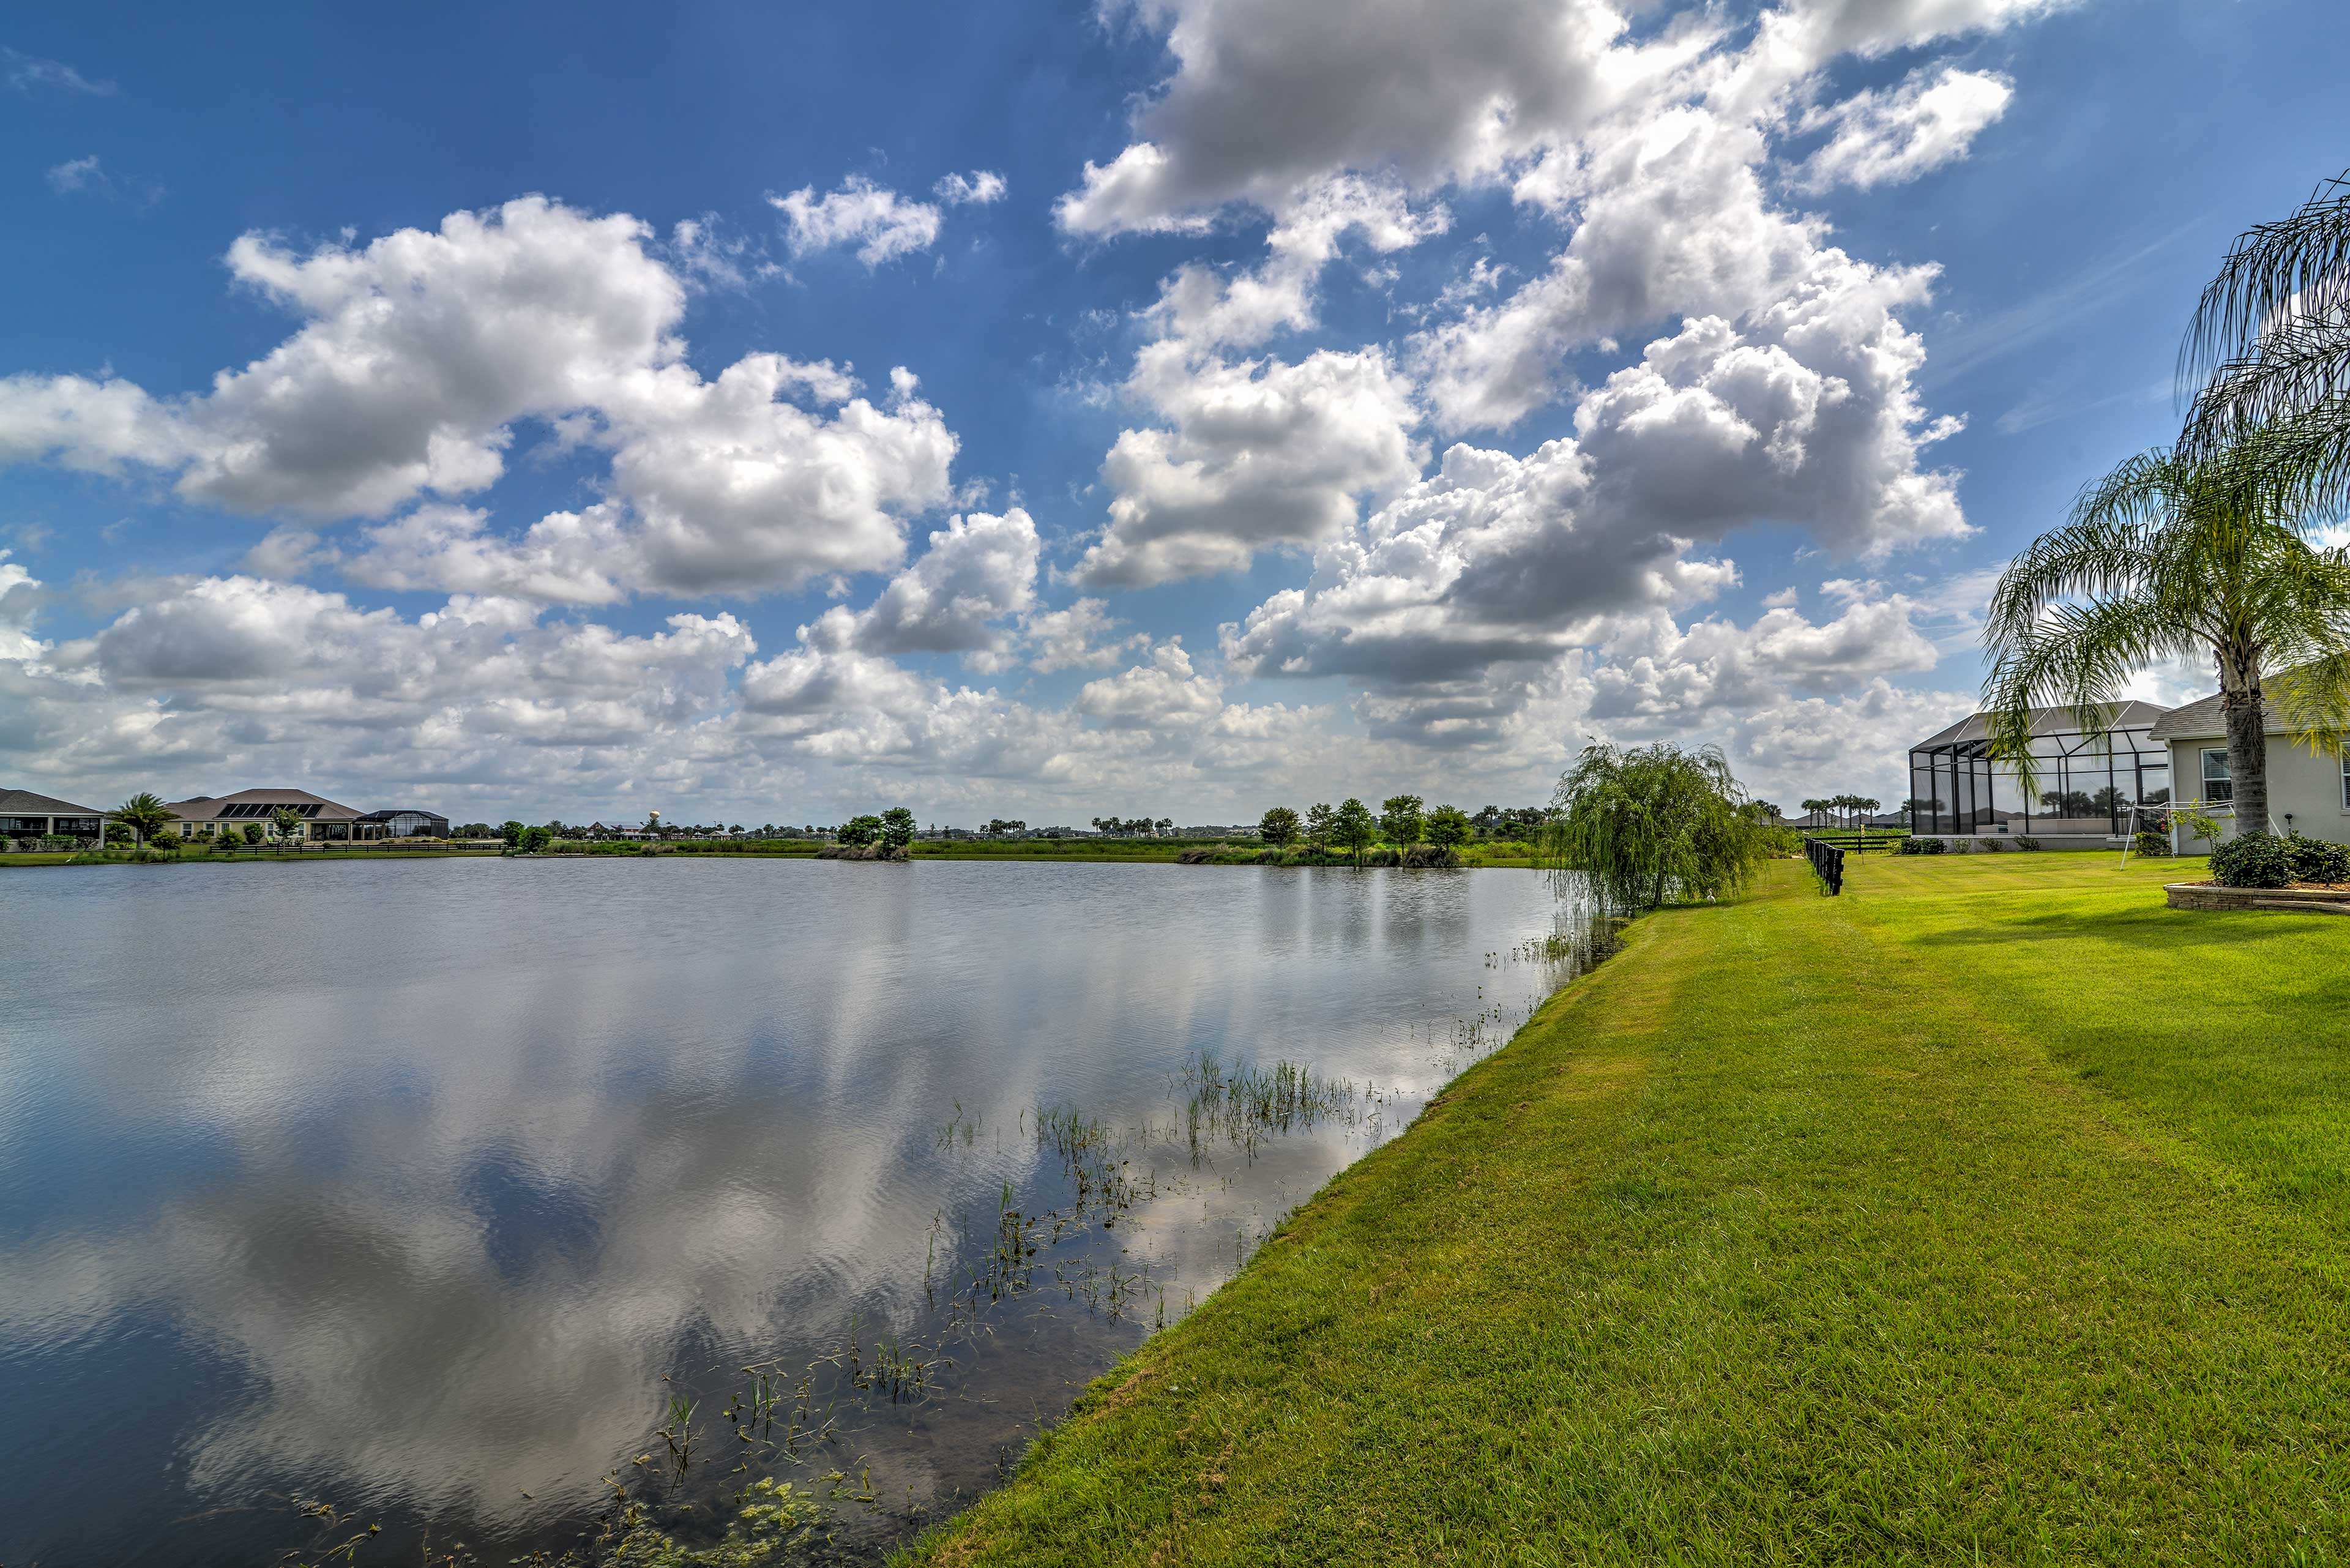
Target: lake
<point>424,1195</point>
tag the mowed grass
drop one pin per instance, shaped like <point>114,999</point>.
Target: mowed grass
<point>1992,1212</point>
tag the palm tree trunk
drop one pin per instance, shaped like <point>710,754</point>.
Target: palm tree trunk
<point>2248,748</point>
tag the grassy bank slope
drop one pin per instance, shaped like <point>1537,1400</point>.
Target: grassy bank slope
<point>1964,1218</point>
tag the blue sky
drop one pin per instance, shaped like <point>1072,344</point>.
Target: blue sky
<point>1304,404</point>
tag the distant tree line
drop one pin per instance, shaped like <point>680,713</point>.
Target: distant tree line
<point>1133,827</point>
<point>1846,810</point>
<point>1403,823</point>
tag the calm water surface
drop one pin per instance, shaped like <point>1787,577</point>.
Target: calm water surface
<point>419,1189</point>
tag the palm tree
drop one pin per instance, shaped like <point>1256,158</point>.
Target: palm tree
<point>2269,349</point>
<point>2178,553</point>
<point>145,815</point>
<point>1813,807</point>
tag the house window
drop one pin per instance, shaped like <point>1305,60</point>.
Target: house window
<point>2345,781</point>
<point>2217,786</point>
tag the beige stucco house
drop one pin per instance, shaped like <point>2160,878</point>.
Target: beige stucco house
<point>321,818</point>
<point>2307,793</point>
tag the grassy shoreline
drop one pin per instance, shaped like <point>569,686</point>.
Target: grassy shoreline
<point>1991,1212</point>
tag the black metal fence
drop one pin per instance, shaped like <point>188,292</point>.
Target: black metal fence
<point>1828,861</point>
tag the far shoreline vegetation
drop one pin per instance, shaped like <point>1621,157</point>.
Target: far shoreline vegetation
<point>1402,832</point>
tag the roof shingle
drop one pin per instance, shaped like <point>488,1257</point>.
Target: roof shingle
<point>25,803</point>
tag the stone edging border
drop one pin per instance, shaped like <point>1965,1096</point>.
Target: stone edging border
<point>2210,896</point>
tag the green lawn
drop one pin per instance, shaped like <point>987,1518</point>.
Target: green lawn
<point>1992,1212</point>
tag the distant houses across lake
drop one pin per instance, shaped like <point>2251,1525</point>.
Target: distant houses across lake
<point>26,814</point>
<point>29,820</point>
<point>321,820</point>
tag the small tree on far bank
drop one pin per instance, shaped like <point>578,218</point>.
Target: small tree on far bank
<point>859,831</point>
<point>1401,820</point>
<point>1652,825</point>
<point>1321,822</point>
<point>1353,829</point>
<point>288,822</point>
<point>1448,828</point>
<point>896,829</point>
<point>1279,827</point>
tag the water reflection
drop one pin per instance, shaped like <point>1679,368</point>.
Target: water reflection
<point>425,1187</point>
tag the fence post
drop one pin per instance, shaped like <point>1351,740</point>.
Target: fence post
<point>1827,862</point>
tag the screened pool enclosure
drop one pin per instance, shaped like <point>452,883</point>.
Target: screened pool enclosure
<point>2087,778</point>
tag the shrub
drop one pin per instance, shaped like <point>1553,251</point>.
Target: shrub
<point>2149,842</point>
<point>2025,841</point>
<point>2252,860</point>
<point>1924,847</point>
<point>1990,846</point>
<point>2316,860</point>
<point>1435,855</point>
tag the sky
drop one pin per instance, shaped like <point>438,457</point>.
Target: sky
<point>1170,408</point>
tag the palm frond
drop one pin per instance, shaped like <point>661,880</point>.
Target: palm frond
<point>2314,699</point>
<point>2077,656</point>
<point>2301,361</point>
<point>2300,465</point>
<point>2299,261</point>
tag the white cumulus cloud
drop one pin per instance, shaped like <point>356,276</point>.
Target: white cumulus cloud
<point>1887,138</point>
<point>422,351</point>
<point>882,224</point>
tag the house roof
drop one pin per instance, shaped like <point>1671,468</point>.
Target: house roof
<point>2204,719</point>
<point>257,804</point>
<point>25,803</point>
<point>2130,715</point>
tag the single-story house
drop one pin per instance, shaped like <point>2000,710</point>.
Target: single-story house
<point>2086,779</point>
<point>322,819</point>
<point>25,814</point>
<point>2308,794</point>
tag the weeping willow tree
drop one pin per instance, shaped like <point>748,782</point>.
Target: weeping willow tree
<point>1653,825</point>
